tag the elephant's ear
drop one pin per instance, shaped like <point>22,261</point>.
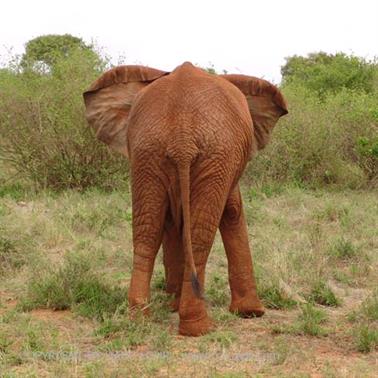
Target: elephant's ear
<point>265,101</point>
<point>109,99</point>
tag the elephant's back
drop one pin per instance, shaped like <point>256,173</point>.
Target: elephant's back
<point>190,113</point>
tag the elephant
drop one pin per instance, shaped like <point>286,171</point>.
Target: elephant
<point>188,136</point>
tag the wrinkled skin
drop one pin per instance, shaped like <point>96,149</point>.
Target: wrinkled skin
<point>188,136</point>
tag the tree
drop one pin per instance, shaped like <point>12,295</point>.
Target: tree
<point>46,50</point>
<point>329,73</point>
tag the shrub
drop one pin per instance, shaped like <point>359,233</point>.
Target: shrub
<point>327,139</point>
<point>322,143</point>
<point>44,133</point>
<point>325,73</point>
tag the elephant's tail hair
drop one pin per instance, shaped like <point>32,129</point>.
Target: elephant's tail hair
<point>184,179</point>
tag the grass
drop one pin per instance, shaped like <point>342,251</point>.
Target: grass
<point>65,264</point>
<point>365,324</point>
<point>344,249</point>
<point>274,297</point>
<point>322,294</point>
<point>73,286</point>
<point>366,338</point>
<point>308,322</point>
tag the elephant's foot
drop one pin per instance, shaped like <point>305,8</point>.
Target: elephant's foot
<point>196,327</point>
<point>247,308</point>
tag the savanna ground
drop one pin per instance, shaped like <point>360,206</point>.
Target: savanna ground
<point>66,261</point>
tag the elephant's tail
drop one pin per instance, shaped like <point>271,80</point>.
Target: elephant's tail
<point>184,179</point>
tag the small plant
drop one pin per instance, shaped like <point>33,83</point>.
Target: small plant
<point>5,343</point>
<point>160,306</point>
<point>365,332</point>
<point>311,319</point>
<point>11,256</point>
<point>273,297</point>
<point>370,307</point>
<point>344,249</point>
<point>33,341</point>
<point>75,286</point>
<point>223,315</point>
<point>322,294</point>
<point>308,323</point>
<point>15,191</point>
<point>366,338</point>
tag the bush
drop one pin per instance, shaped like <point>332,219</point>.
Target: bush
<point>328,139</point>
<point>326,74</point>
<point>45,136</point>
<point>332,143</point>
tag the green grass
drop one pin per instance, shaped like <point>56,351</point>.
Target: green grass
<point>344,249</point>
<point>73,286</point>
<point>308,322</point>
<point>223,339</point>
<point>217,291</point>
<point>11,255</point>
<point>124,333</point>
<point>366,338</point>
<point>274,297</point>
<point>365,324</point>
<point>322,294</point>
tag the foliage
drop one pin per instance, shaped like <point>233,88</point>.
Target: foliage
<point>328,139</point>
<point>45,137</point>
<point>322,143</point>
<point>47,50</point>
<point>329,73</point>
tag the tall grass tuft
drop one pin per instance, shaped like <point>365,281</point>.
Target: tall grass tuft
<point>74,286</point>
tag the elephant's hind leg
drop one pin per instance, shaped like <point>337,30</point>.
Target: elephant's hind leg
<point>173,257</point>
<point>233,228</point>
<point>149,209</point>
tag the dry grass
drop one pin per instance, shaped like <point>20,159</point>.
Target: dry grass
<point>316,259</point>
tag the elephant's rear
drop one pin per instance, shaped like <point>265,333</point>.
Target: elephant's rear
<point>196,131</point>
<point>196,120</point>
<point>192,117</point>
